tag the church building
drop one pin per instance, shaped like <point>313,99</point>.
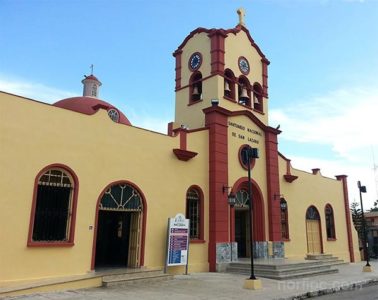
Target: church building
<point>83,189</point>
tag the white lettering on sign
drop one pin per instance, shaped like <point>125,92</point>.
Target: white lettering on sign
<point>247,130</point>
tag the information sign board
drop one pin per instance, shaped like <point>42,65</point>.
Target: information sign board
<point>178,241</point>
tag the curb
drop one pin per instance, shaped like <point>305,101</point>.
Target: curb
<point>346,287</point>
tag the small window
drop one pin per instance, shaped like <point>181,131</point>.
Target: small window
<point>330,222</point>
<point>194,212</point>
<point>257,97</point>
<point>195,87</point>
<point>284,220</point>
<point>244,91</point>
<point>229,85</point>
<point>53,208</point>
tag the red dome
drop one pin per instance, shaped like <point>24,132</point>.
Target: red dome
<point>89,106</point>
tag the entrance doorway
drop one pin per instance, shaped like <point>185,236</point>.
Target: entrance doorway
<point>314,240</point>
<point>113,234</point>
<point>242,232</point>
<point>119,221</point>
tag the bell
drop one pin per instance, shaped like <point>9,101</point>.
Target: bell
<point>256,100</point>
<point>195,94</point>
<point>227,86</point>
<point>195,91</point>
<point>243,99</point>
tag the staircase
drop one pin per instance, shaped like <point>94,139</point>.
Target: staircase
<point>134,276</point>
<point>327,259</point>
<point>281,269</point>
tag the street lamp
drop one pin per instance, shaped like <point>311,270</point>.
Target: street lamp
<point>251,153</point>
<point>367,267</point>
<point>231,200</point>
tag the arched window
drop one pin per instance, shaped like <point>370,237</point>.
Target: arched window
<point>312,213</point>
<point>244,91</point>
<point>195,87</point>
<point>54,208</point>
<point>257,97</point>
<point>229,85</point>
<point>194,212</point>
<point>330,222</point>
<point>284,220</point>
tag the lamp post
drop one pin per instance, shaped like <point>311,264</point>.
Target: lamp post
<point>231,199</point>
<point>367,267</point>
<point>249,153</point>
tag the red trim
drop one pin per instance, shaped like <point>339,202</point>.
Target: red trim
<point>249,66</point>
<point>201,238</point>
<point>216,121</point>
<point>200,64</point>
<point>290,178</point>
<point>265,64</point>
<point>343,179</point>
<point>144,221</point>
<point>273,185</point>
<point>177,55</point>
<point>217,51</point>
<point>71,237</point>
<point>320,228</point>
<point>258,217</point>
<point>224,33</point>
<point>184,155</point>
<point>315,171</point>
<point>244,166</point>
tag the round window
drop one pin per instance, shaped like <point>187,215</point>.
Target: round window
<point>113,114</point>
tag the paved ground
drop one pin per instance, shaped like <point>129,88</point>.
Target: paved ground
<point>367,293</point>
<point>227,286</point>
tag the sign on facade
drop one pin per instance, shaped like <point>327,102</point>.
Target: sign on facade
<point>178,241</point>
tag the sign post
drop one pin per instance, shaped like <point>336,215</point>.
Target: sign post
<point>177,242</point>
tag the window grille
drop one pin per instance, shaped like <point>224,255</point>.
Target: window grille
<point>312,213</point>
<point>121,197</point>
<point>53,207</point>
<point>242,198</point>
<point>193,213</point>
<point>330,222</point>
<point>284,220</point>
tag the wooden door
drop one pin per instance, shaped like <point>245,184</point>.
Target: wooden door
<point>314,244</point>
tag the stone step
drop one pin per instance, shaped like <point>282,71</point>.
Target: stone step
<point>144,276</point>
<point>280,266</point>
<point>282,270</point>
<point>286,274</point>
<point>318,256</point>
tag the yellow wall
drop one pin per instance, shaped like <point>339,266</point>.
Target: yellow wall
<point>317,190</point>
<point>100,152</point>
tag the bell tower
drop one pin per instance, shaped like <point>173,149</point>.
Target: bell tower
<point>222,64</point>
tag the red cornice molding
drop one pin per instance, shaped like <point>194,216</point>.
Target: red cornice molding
<point>224,33</point>
<point>290,178</point>
<point>184,155</point>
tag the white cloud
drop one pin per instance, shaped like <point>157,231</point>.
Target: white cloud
<point>346,121</point>
<point>32,90</point>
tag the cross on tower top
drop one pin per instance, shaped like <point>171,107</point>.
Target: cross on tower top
<point>241,13</point>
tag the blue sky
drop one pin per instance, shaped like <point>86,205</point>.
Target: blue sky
<point>323,76</point>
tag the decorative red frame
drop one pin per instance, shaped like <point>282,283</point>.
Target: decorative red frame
<point>71,234</point>
<point>258,217</point>
<point>201,238</point>
<point>144,219</point>
<point>249,65</point>
<point>200,64</point>
<point>244,166</point>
